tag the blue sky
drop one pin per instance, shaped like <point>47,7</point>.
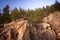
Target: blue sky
<point>25,4</point>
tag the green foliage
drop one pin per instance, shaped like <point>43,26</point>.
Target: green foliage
<point>6,15</point>
<point>22,12</point>
<point>56,6</point>
<point>1,21</point>
<point>15,14</point>
<point>34,16</point>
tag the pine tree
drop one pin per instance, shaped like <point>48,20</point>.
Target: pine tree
<point>6,15</point>
<point>15,14</point>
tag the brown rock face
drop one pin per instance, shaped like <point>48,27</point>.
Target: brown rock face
<point>39,33</point>
<point>54,20</point>
<point>22,30</point>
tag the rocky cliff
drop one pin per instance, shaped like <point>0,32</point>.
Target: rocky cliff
<point>49,29</point>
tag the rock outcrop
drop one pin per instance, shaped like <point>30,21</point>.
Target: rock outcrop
<point>54,20</point>
<point>22,30</point>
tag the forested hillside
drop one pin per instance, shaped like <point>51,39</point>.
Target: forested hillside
<point>32,15</point>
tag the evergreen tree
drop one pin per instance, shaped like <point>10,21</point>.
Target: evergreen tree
<point>6,15</point>
<point>14,14</point>
<point>55,6</point>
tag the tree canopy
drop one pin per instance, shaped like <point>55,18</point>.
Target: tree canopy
<point>32,15</point>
